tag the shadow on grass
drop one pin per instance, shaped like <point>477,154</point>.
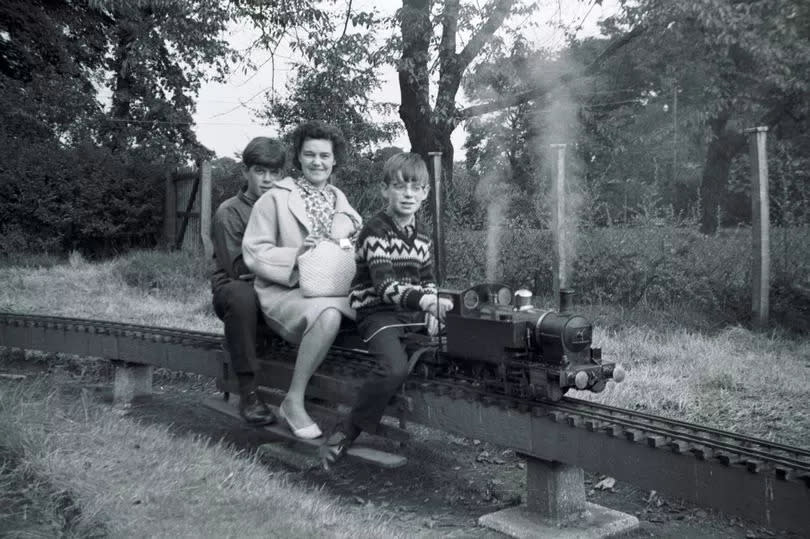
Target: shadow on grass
<point>428,484</point>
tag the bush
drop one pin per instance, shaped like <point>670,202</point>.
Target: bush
<point>661,267</point>
<point>57,199</point>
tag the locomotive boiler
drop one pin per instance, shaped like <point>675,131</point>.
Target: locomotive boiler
<point>499,338</point>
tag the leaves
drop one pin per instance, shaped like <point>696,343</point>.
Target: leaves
<point>334,82</point>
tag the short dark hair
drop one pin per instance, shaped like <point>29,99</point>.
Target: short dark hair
<point>265,152</point>
<point>318,130</point>
<point>410,165</point>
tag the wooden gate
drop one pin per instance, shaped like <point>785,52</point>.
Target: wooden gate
<point>187,221</point>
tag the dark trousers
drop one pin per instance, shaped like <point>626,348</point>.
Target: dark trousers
<point>388,348</point>
<point>236,304</point>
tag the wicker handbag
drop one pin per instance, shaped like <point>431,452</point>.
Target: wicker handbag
<point>326,270</point>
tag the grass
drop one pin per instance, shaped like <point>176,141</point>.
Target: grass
<point>736,380</point>
<point>143,287</point>
<point>129,479</point>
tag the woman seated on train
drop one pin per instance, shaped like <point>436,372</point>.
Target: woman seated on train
<point>291,217</point>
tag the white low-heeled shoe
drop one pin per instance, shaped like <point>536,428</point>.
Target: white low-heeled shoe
<point>310,432</point>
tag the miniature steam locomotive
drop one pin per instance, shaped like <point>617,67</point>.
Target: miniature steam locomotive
<point>500,340</point>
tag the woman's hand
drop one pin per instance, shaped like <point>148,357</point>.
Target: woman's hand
<point>309,243</point>
<point>342,226</point>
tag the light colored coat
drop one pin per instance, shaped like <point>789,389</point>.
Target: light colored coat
<point>272,242</point>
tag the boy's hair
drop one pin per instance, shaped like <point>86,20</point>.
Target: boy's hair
<point>265,152</point>
<point>318,130</point>
<point>411,166</point>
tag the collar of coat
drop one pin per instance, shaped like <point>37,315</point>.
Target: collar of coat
<point>296,203</point>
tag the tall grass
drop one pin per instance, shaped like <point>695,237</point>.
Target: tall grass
<point>147,287</point>
<point>735,380</point>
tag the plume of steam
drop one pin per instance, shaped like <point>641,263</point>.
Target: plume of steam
<point>495,214</point>
<point>493,191</point>
<point>557,122</point>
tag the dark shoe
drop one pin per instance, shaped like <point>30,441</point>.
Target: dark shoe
<point>336,446</point>
<point>254,410</point>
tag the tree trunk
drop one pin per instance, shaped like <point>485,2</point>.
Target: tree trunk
<point>122,95</point>
<point>414,83</point>
<point>725,145</point>
<point>429,128</point>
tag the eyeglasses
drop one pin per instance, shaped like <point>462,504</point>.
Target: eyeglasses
<point>401,187</point>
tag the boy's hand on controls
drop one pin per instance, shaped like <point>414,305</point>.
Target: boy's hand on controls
<point>432,324</point>
<point>438,307</point>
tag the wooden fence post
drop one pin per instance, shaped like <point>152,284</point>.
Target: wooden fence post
<point>558,225</point>
<point>438,233</point>
<point>205,209</point>
<point>760,227</point>
<point>170,211</point>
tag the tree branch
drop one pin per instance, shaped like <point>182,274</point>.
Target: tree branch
<point>447,47</point>
<point>534,93</point>
<point>346,23</point>
<point>453,65</point>
<point>485,33</point>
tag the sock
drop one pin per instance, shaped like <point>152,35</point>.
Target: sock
<point>351,430</point>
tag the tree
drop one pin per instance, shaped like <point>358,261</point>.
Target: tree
<point>161,53</point>
<point>740,63</point>
<point>430,125</point>
<point>502,146</point>
<point>49,54</point>
<point>59,187</point>
<point>340,70</point>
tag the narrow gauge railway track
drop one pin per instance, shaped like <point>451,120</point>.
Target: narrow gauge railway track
<point>658,432</point>
<point>197,339</point>
<point>740,455</point>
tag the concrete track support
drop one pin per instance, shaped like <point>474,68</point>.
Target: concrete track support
<point>132,380</point>
<point>556,507</point>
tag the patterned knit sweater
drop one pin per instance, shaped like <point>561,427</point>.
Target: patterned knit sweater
<point>394,268</point>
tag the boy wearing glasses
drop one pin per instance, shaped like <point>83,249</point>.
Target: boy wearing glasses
<point>394,293</point>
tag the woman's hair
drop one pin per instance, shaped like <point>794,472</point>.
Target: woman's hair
<point>265,152</point>
<point>408,167</point>
<point>318,130</point>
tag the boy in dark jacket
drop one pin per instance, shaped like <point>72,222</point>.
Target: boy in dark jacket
<point>235,301</point>
<point>394,293</point>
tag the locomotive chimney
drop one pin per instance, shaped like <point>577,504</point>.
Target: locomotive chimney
<point>566,299</point>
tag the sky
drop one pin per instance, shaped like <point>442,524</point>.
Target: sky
<point>226,118</point>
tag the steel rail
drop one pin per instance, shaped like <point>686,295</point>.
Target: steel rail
<point>684,424</point>
<point>584,409</point>
<point>696,438</point>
